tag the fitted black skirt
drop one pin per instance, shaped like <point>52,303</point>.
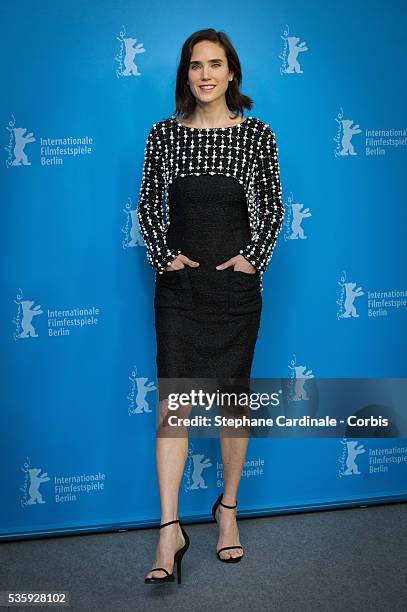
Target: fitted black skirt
<point>207,320</point>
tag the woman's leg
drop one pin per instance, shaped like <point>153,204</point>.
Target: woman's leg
<point>171,453</point>
<point>233,456</point>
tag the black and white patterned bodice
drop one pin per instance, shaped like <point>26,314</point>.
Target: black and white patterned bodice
<point>246,152</point>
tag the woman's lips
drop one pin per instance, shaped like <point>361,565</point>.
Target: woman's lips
<point>206,87</point>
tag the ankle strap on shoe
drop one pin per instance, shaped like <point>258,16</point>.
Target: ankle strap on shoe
<point>169,523</point>
<point>231,507</point>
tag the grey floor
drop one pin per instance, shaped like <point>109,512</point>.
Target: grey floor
<point>344,560</point>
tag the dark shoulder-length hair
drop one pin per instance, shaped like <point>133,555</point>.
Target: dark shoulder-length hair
<point>184,100</point>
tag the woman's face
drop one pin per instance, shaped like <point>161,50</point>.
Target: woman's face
<point>208,66</point>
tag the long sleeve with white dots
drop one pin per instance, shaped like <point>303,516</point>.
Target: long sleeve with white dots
<point>246,151</point>
<point>150,206</point>
<point>270,206</point>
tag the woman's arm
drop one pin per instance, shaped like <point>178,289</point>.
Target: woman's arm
<point>269,199</point>
<point>150,209</point>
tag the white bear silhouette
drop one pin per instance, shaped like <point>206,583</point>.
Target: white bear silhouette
<point>20,141</point>
<point>293,51</point>
<point>351,294</point>
<point>35,482</point>
<point>300,377</point>
<point>28,314</point>
<point>131,52</point>
<point>298,215</point>
<point>199,466</point>
<point>142,390</point>
<point>348,132</point>
<point>135,233</point>
<point>353,451</point>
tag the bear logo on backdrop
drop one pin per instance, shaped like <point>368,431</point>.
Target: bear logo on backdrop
<point>23,321</point>
<point>129,49</point>
<point>19,137</point>
<point>198,462</point>
<point>59,323</point>
<point>66,488</point>
<point>296,213</point>
<point>195,465</point>
<point>345,132</point>
<point>375,139</point>
<point>34,478</point>
<point>299,393</point>
<point>347,460</point>
<point>379,303</point>
<point>299,375</point>
<point>348,293</point>
<point>132,236</point>
<point>292,47</point>
<point>378,459</point>
<point>53,151</point>
<point>137,397</point>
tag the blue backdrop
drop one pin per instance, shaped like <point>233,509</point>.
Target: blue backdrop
<point>82,85</point>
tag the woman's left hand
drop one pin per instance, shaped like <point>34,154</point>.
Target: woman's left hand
<point>239,263</point>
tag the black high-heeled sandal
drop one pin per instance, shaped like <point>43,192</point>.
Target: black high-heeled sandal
<point>214,508</point>
<point>177,559</point>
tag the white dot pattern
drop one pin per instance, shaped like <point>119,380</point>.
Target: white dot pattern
<point>246,152</point>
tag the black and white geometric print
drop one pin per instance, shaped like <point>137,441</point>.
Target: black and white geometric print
<point>246,151</point>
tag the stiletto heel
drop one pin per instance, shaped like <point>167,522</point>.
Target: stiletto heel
<point>214,508</point>
<point>180,554</point>
<point>177,558</point>
<point>179,570</point>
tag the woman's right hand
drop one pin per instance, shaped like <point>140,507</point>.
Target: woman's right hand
<point>179,262</point>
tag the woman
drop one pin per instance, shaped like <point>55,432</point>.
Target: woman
<point>219,175</point>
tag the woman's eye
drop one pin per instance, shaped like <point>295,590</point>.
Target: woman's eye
<point>196,66</point>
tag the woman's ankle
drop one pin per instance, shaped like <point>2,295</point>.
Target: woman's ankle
<point>229,500</point>
<point>168,519</point>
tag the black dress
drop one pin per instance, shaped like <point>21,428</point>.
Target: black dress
<point>207,320</point>
<point>223,198</point>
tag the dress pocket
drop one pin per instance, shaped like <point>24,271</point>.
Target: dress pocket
<point>173,290</point>
<point>245,294</point>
